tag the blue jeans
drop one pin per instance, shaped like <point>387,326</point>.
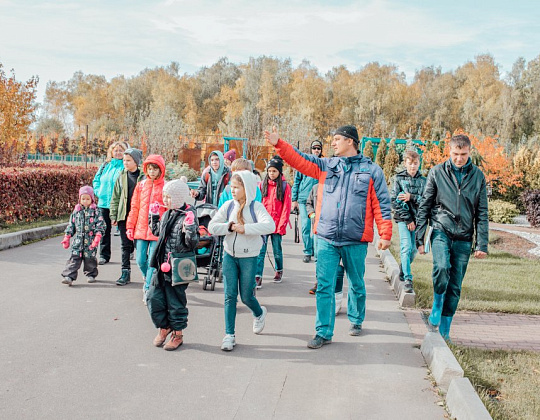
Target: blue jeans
<point>353,258</point>
<point>144,251</point>
<point>276,248</point>
<point>450,260</point>
<point>408,250</point>
<point>239,275</point>
<point>307,236</point>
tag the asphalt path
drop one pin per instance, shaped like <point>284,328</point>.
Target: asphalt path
<point>85,352</point>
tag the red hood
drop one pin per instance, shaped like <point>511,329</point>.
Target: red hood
<point>156,160</point>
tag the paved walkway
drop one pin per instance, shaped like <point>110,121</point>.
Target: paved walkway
<point>85,351</point>
<point>490,330</point>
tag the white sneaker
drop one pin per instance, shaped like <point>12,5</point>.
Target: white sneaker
<point>228,343</point>
<point>145,296</point>
<point>258,322</point>
<point>67,280</point>
<point>339,298</point>
<point>91,279</point>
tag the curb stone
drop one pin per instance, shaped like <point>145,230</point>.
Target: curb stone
<point>462,399</point>
<point>463,402</point>
<point>12,240</point>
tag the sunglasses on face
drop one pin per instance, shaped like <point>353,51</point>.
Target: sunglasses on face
<point>315,148</point>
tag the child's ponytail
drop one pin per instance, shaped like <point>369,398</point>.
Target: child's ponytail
<point>240,215</point>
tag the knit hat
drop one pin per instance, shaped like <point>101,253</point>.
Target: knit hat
<point>86,189</point>
<point>178,191</point>
<point>230,155</point>
<point>316,143</point>
<point>275,162</point>
<point>136,154</point>
<point>348,131</point>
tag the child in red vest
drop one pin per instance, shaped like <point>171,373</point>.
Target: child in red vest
<point>147,191</point>
<point>276,198</point>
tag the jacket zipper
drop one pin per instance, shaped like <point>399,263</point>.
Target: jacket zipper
<point>234,243</point>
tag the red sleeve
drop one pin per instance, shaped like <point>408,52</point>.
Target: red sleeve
<point>299,161</point>
<point>281,227</point>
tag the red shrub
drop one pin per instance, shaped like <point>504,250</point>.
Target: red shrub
<point>34,192</point>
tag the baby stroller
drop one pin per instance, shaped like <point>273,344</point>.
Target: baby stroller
<point>209,250</point>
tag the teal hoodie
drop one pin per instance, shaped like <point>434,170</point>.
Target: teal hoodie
<point>104,181</point>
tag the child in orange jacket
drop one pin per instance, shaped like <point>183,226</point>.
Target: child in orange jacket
<point>147,191</point>
<point>276,198</point>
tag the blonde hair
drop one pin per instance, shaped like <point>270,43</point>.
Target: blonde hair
<point>241,164</point>
<point>122,144</point>
<point>240,213</point>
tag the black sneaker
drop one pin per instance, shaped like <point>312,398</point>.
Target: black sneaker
<point>124,279</point>
<point>307,258</point>
<point>317,342</point>
<point>258,282</point>
<point>355,330</point>
<point>408,287</point>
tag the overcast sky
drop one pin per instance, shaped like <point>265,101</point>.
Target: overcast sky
<point>54,39</point>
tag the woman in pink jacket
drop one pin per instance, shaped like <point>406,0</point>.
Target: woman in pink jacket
<point>276,198</point>
<point>147,191</point>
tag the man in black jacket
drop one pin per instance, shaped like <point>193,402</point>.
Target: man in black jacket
<point>455,204</point>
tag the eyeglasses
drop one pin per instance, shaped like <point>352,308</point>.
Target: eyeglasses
<point>316,148</point>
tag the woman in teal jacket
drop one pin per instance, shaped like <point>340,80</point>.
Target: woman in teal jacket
<point>103,188</point>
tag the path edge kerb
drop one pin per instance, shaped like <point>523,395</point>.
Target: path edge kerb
<point>15,239</point>
<point>461,398</point>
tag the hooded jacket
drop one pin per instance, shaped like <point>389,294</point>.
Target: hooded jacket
<point>459,209</point>
<point>206,192</point>
<point>119,200</point>
<point>279,210</point>
<point>352,194</point>
<point>104,181</point>
<point>84,224</point>
<point>146,192</point>
<point>248,244</point>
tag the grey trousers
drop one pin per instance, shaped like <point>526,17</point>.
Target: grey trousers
<point>74,263</point>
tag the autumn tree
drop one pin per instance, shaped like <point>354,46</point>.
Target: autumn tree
<point>381,153</point>
<point>391,161</point>
<point>368,150</point>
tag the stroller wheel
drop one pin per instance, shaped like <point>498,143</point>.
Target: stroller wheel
<point>213,283</point>
<point>205,283</point>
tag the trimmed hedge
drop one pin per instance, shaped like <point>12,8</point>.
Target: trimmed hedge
<point>531,200</point>
<point>34,192</point>
<point>500,211</point>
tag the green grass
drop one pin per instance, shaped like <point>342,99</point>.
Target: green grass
<point>506,381</point>
<point>499,283</point>
<point>31,225</point>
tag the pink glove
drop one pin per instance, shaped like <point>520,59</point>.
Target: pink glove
<point>189,219</point>
<point>65,241</point>
<point>95,242</point>
<point>154,208</point>
<point>129,234</point>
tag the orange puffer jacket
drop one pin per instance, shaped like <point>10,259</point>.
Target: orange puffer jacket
<point>146,192</point>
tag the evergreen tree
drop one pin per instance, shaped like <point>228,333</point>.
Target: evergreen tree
<point>391,161</point>
<point>368,150</point>
<point>381,153</point>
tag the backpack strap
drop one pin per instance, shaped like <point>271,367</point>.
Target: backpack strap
<point>230,209</point>
<point>251,209</point>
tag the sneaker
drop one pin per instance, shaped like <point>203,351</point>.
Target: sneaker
<point>228,343</point>
<point>258,322</point>
<point>313,290</point>
<point>117,232</point>
<point>355,329</point>
<point>91,279</point>
<point>177,339</point>
<point>278,278</point>
<point>317,342</point>
<point>145,296</point>
<point>67,280</point>
<point>258,281</point>
<point>338,298</point>
<point>307,258</point>
<point>125,278</point>
<point>408,287</point>
<point>161,337</point>
<point>103,261</point>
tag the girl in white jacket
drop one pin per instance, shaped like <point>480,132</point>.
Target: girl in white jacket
<point>242,220</point>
